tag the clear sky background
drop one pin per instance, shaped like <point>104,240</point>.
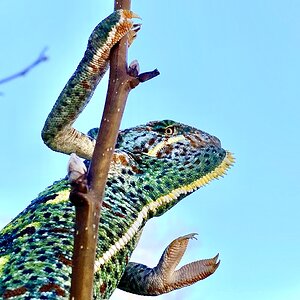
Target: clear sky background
<point>230,68</point>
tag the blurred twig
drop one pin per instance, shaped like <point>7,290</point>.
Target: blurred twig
<point>41,58</point>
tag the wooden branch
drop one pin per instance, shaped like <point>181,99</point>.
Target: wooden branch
<point>41,58</point>
<point>88,189</point>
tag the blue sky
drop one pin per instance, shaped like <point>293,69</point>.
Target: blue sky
<point>230,68</point>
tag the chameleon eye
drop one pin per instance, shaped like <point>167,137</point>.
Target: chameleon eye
<point>170,130</point>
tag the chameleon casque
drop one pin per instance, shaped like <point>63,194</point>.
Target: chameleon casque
<point>154,166</point>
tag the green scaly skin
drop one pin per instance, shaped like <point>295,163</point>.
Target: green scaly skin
<point>36,247</point>
<point>153,168</point>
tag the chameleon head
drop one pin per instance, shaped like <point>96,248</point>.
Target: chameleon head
<point>171,160</point>
<point>174,159</point>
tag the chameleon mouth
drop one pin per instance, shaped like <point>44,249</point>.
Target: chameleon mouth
<point>219,171</point>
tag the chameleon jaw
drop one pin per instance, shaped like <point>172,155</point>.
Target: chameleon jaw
<point>219,171</point>
<point>153,206</point>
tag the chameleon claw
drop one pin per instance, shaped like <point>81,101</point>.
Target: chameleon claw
<point>132,34</point>
<point>130,14</point>
<point>136,27</point>
<point>215,259</point>
<point>191,236</point>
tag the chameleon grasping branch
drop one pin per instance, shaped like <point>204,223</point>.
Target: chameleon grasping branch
<point>154,166</point>
<point>88,200</point>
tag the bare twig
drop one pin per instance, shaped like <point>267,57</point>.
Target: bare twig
<point>41,58</point>
<point>88,190</point>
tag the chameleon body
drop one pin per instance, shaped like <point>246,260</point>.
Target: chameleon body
<point>154,166</point>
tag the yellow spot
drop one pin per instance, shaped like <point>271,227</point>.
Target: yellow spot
<point>33,224</point>
<point>62,196</point>
<point>153,152</point>
<point>3,260</point>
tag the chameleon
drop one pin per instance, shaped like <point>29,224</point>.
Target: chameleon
<point>154,166</point>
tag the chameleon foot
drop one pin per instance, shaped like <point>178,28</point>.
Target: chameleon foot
<point>139,279</point>
<point>132,34</point>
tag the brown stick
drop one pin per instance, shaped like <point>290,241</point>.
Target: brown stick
<point>87,194</point>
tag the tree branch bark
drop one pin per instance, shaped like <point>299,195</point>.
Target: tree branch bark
<point>88,190</point>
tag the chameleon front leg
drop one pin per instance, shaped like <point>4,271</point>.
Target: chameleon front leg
<point>142,280</point>
<point>58,133</point>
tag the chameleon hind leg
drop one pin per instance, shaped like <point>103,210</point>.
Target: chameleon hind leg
<point>58,133</point>
<point>142,280</point>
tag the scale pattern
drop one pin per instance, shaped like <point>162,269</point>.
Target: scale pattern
<point>149,174</point>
